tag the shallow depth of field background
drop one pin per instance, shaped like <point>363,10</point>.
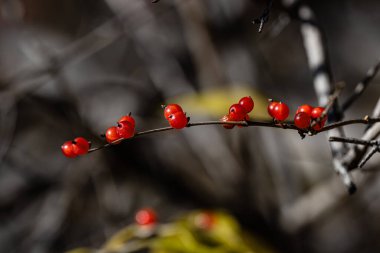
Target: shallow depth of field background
<point>71,68</point>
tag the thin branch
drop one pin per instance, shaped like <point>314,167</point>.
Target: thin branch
<point>368,156</point>
<point>374,143</point>
<point>355,154</point>
<point>354,141</point>
<point>361,86</point>
<point>271,124</point>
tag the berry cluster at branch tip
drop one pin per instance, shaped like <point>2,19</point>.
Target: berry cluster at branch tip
<point>175,116</point>
<point>238,112</point>
<point>146,217</point>
<point>79,146</point>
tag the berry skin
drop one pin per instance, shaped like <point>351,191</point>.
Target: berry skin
<point>112,135</point>
<point>280,111</point>
<point>178,120</point>
<point>204,220</point>
<point>247,103</point>
<point>125,129</point>
<point>129,119</point>
<point>320,124</point>
<point>68,149</point>
<point>302,120</point>
<point>146,216</point>
<point>225,119</point>
<point>237,112</point>
<point>271,107</point>
<point>80,146</point>
<point>305,108</point>
<point>317,112</point>
<point>171,109</point>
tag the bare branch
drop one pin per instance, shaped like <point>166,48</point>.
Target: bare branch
<point>281,125</point>
<point>368,156</point>
<point>355,141</point>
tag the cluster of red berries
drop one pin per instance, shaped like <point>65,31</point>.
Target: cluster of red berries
<point>125,129</point>
<point>306,115</point>
<point>78,146</point>
<point>175,116</point>
<point>239,111</point>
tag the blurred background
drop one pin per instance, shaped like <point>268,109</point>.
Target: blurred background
<point>72,67</point>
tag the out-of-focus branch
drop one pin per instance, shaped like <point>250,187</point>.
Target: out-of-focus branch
<point>264,17</point>
<point>80,49</point>
<point>317,56</point>
<point>361,86</point>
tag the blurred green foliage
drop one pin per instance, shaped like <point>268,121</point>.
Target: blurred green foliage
<point>195,232</point>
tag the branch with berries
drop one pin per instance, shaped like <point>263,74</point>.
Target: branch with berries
<point>308,121</point>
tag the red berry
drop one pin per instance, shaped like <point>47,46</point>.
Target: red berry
<point>317,112</point>
<point>129,119</point>
<point>125,129</point>
<point>271,108</point>
<point>247,103</point>
<point>178,120</point>
<point>80,146</point>
<point>237,112</point>
<point>305,108</point>
<point>226,118</point>
<point>320,124</point>
<point>112,135</point>
<point>146,216</point>
<point>171,109</point>
<point>302,120</point>
<point>281,111</point>
<point>204,220</point>
<point>68,149</point>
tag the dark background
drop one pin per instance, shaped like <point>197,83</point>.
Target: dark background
<point>71,68</point>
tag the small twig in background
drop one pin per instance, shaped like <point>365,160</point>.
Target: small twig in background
<point>332,99</point>
<point>264,17</point>
<point>361,86</point>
